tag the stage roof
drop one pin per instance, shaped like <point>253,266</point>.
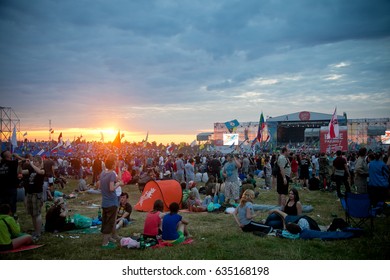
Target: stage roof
<point>302,116</point>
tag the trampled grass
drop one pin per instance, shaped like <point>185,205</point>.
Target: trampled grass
<point>216,236</point>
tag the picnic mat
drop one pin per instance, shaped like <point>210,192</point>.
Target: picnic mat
<point>168,244</point>
<point>23,248</point>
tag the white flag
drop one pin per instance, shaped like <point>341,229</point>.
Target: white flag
<point>193,143</point>
<point>14,142</point>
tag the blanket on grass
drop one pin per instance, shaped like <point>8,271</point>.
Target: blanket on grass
<point>162,243</point>
<point>23,248</point>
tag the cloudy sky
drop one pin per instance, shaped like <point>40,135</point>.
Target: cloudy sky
<point>176,67</point>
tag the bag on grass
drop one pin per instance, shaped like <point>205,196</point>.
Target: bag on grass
<point>81,221</point>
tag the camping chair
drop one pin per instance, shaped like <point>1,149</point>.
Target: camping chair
<point>358,209</point>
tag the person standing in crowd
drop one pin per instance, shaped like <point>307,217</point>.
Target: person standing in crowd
<point>108,183</point>
<point>294,169</point>
<point>341,173</point>
<point>324,171</point>
<point>189,170</point>
<point>304,170</point>
<point>214,167</point>
<point>351,167</point>
<point>48,183</point>
<point>378,183</point>
<point>230,172</point>
<point>34,194</point>
<point>180,169</point>
<point>361,171</point>
<point>283,177</point>
<point>9,179</point>
<point>267,174</point>
<point>97,168</point>
<point>245,165</point>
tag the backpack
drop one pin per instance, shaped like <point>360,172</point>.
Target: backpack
<point>275,169</point>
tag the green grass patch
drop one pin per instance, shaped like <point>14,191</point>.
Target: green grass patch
<point>216,236</point>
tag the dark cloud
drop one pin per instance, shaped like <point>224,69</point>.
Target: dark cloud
<point>219,56</point>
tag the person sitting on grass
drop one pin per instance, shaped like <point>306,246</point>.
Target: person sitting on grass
<point>10,235</point>
<point>152,226</point>
<point>244,215</point>
<point>124,211</point>
<point>174,227</point>
<point>194,204</point>
<point>83,186</point>
<point>293,207</point>
<point>56,217</point>
<point>186,193</point>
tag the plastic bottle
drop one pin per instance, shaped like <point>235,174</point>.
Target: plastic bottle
<point>142,242</point>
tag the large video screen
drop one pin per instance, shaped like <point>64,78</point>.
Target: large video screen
<point>230,139</point>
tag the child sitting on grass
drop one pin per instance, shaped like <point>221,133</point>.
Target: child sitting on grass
<point>152,226</point>
<point>174,227</point>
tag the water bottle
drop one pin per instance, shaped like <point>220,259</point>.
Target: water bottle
<point>142,242</point>
<point>100,214</point>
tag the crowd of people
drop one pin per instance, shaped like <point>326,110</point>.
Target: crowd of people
<point>231,176</point>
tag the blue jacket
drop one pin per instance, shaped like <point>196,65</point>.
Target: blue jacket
<point>378,173</point>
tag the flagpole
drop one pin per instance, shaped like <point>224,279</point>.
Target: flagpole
<point>49,138</point>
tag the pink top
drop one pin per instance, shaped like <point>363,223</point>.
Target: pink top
<point>152,223</point>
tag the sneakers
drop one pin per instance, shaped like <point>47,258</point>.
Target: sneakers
<point>109,245</point>
<point>35,237</point>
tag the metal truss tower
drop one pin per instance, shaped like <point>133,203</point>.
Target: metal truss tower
<point>8,119</point>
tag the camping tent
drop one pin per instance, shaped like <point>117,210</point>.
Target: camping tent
<point>166,190</point>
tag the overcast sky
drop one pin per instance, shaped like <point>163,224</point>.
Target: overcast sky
<point>179,66</point>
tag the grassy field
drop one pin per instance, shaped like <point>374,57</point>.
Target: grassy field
<point>216,236</point>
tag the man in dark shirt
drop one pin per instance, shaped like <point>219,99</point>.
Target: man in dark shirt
<point>341,173</point>
<point>9,179</point>
<point>214,167</point>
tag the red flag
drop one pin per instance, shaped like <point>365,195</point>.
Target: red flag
<point>117,140</point>
<point>60,138</point>
<point>333,126</point>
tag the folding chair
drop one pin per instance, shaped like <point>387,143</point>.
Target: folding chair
<point>358,209</point>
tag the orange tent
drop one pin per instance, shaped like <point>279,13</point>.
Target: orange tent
<point>166,190</point>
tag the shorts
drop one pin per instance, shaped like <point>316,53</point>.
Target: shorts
<point>180,239</point>
<point>232,190</point>
<point>34,203</point>
<point>125,221</point>
<point>108,219</point>
<point>281,188</point>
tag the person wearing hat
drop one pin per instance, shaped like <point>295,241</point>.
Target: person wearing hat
<point>56,217</point>
<point>230,172</point>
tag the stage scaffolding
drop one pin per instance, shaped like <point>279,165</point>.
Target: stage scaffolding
<point>8,120</point>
